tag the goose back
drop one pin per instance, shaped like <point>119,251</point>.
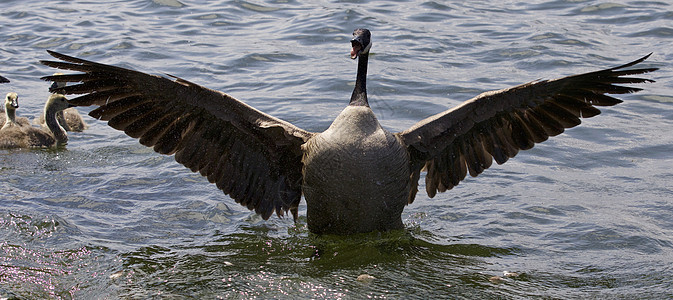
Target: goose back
<point>73,120</point>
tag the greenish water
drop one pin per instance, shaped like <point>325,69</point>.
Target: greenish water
<point>587,214</point>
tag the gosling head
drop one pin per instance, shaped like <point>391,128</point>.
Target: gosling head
<point>56,103</point>
<point>11,101</point>
<point>57,84</point>
<point>361,42</point>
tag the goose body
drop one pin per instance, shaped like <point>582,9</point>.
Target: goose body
<point>73,120</point>
<point>369,162</point>
<point>355,176</point>
<point>15,135</point>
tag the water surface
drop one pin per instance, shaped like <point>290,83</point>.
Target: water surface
<point>587,214</point>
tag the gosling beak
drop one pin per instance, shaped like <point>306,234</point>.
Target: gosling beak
<point>15,102</point>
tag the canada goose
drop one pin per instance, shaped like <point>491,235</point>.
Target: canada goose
<point>3,80</point>
<point>14,135</point>
<point>355,176</point>
<point>11,104</point>
<point>69,119</point>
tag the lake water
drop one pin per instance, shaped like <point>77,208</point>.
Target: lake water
<point>588,214</point>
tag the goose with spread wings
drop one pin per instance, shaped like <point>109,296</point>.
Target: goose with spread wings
<point>355,176</point>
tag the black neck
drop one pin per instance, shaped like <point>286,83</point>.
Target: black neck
<point>359,97</point>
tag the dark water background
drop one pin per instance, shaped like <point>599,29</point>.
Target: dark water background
<point>587,214</point>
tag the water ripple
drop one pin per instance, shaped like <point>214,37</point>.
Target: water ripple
<point>583,215</point>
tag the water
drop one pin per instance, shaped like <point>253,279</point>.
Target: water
<point>587,214</point>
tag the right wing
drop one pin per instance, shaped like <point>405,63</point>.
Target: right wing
<point>251,156</point>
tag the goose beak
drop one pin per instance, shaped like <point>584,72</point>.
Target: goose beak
<point>357,47</point>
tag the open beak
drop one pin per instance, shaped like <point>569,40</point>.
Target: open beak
<point>357,47</point>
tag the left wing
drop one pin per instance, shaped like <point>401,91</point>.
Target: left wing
<point>497,124</point>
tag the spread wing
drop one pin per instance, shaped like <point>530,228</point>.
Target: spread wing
<point>497,124</point>
<point>251,156</point>
<point>3,79</point>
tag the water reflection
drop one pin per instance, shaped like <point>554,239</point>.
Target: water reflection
<point>585,215</point>
<point>260,261</point>
<point>57,269</point>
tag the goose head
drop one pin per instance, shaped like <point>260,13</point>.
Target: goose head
<point>11,101</point>
<point>361,42</point>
